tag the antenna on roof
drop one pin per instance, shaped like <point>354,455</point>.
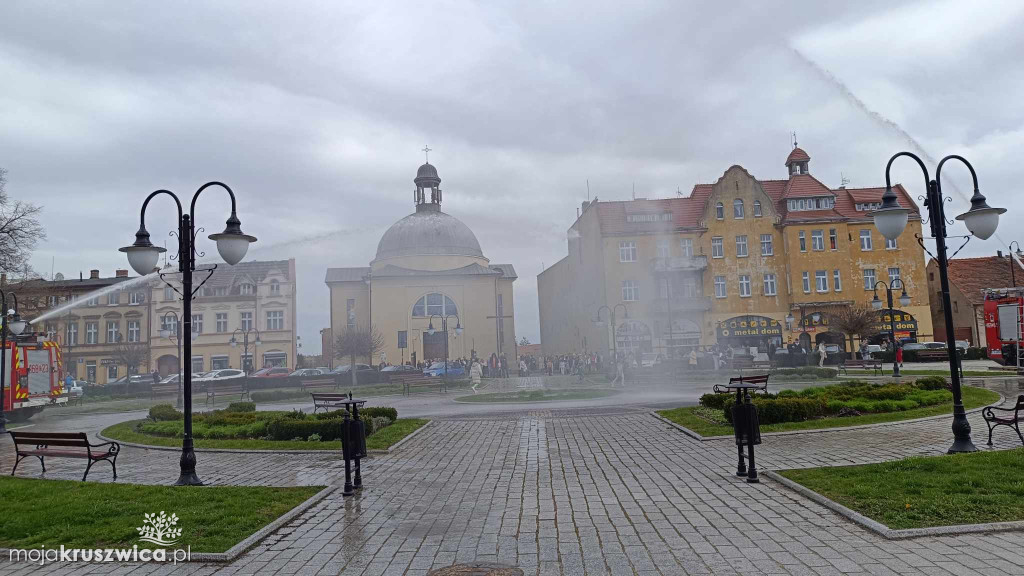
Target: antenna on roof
<point>678,191</point>
<point>634,189</point>
<point>588,190</point>
<point>843,180</point>
<point>793,139</point>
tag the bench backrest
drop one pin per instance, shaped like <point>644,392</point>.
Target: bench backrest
<point>227,386</point>
<point>759,379</point>
<point>74,439</point>
<point>328,397</point>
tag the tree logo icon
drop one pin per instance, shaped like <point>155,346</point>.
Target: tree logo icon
<point>160,529</point>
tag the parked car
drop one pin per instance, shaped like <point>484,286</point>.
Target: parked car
<point>399,368</point>
<point>173,378</point>
<point>438,369</point>
<point>76,390</point>
<point>935,345</point>
<point>873,348</point>
<point>271,372</point>
<point>223,374</point>
<point>306,372</point>
<point>963,345</point>
<point>915,346</point>
<point>135,379</point>
<point>650,359</point>
<point>344,369</point>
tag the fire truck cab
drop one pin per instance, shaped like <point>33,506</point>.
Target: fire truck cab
<point>1004,312</point>
<point>33,377</point>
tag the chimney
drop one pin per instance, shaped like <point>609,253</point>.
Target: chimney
<point>94,274</point>
<point>121,273</point>
<point>3,278</point>
<point>999,253</point>
<point>585,204</point>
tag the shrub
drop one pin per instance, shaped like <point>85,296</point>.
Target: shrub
<point>716,401</point>
<point>241,407</point>
<point>364,413</point>
<point>775,410</point>
<point>931,383</point>
<point>274,395</point>
<point>976,354</point>
<point>313,438</point>
<point>164,412</point>
<point>380,422</point>
<point>285,428</point>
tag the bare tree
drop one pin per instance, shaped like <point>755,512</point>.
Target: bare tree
<point>853,321</point>
<point>132,355</point>
<point>20,231</point>
<point>524,341</point>
<point>358,342</point>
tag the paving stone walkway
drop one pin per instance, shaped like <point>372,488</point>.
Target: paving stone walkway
<point>575,492</point>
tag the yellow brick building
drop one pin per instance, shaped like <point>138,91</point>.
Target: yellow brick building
<point>742,262</point>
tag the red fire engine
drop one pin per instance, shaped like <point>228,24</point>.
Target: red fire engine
<point>1004,312</point>
<point>34,379</point>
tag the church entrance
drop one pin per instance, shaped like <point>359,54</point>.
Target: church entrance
<point>433,345</point>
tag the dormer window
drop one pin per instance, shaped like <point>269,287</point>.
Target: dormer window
<point>275,287</point>
<point>663,217</point>
<point>817,203</point>
<point>246,289</point>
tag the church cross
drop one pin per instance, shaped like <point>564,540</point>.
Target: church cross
<point>426,154</point>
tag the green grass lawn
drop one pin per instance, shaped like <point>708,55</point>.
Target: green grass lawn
<point>697,419</point>
<point>922,372</point>
<point>90,515</point>
<point>538,395</point>
<point>382,440</point>
<point>927,491</point>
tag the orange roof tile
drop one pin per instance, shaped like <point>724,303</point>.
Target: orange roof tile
<point>971,275</point>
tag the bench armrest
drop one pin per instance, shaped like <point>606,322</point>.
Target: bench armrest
<point>112,447</point>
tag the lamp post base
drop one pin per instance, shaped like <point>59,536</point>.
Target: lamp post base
<point>188,466</point>
<point>961,432</point>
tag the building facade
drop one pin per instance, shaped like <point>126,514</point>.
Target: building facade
<point>968,277</point>
<point>105,336</point>
<point>428,266</point>
<point>742,262</point>
<point>250,302</point>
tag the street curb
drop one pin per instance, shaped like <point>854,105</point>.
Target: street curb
<point>697,436</point>
<point>377,452</point>
<point>255,538</point>
<point>883,530</point>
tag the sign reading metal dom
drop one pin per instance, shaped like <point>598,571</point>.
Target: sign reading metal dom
<point>741,326</point>
<point>904,321</point>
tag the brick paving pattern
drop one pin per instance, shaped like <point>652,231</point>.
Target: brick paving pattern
<point>574,492</point>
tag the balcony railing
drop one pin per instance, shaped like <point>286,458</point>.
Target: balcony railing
<point>680,304</point>
<point>679,264</point>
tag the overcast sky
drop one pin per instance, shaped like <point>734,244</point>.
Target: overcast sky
<point>315,115</point>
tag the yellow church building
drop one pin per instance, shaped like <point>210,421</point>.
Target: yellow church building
<point>429,271</point>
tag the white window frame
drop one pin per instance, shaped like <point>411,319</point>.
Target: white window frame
<point>717,242</point>
<point>802,236</point>
<point>92,332</point>
<point>245,320</point>
<point>686,247</point>
<point>807,282</point>
<point>114,298</point>
<point>197,323</point>
<point>720,283</point>
<point>246,289</point>
<point>757,208</point>
<point>821,281</point>
<point>719,211</point>
<point>630,291</point>
<point>275,319</point>
<point>895,276</point>
<point>664,249</point>
<point>767,249</point>
<point>837,281</point>
<point>168,293</point>
<point>866,244</point>
<point>113,329</point>
<point>627,251</point>
<point>869,278</point>
<point>275,287</point>
<point>833,239</point>
<point>134,331</point>
<point>744,286</point>
<point>221,321</point>
<point>891,244</point>
<point>818,240</point>
<point>741,246</point>
<point>738,209</point>
<point>72,335</point>
<point>770,284</point>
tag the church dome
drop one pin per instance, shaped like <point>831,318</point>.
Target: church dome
<point>428,232</point>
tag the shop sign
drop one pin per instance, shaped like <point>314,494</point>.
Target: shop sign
<point>741,326</point>
<point>904,322</point>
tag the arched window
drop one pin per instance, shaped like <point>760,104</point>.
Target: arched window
<point>720,211</point>
<point>737,209</point>
<point>757,208</point>
<point>434,303</point>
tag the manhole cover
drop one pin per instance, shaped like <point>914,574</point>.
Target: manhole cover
<point>477,570</point>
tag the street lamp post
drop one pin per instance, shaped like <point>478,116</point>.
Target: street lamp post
<point>877,305</point>
<point>175,336</point>
<point>981,220</point>
<point>444,328</point>
<point>611,317</point>
<point>11,322</point>
<point>143,256</point>
<point>1013,275</point>
<point>245,346</point>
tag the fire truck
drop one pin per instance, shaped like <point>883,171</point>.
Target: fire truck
<point>33,376</point>
<point>1004,312</point>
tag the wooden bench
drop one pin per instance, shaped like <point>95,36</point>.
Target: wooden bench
<point>1011,419</point>
<point>932,354</point>
<point>71,445</point>
<point>327,401</point>
<point>319,382</point>
<point>227,388</point>
<point>869,363</point>
<point>761,380</point>
<point>163,390</point>
<point>763,364</point>
<point>411,380</point>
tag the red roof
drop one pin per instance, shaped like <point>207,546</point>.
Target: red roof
<point>797,155</point>
<point>805,185</point>
<point>971,275</point>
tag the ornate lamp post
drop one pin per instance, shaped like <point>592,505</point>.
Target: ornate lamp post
<point>143,256</point>
<point>175,337</point>
<point>444,328</point>
<point>12,323</point>
<point>247,368</point>
<point>981,220</point>
<point>877,305</point>
<point>1020,255</point>
<point>611,316</point>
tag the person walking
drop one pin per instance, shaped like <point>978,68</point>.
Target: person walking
<point>475,373</point>
<point>822,353</point>
<point>899,355</point>
<point>693,359</point>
